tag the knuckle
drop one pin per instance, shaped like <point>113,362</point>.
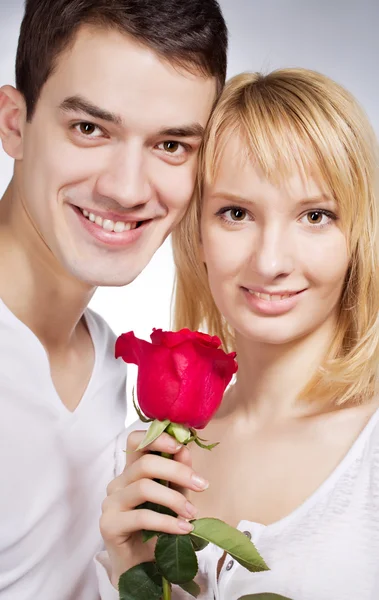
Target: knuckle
<point>105,506</point>
<point>144,487</point>
<point>140,519</point>
<point>106,524</point>
<point>146,463</point>
<point>112,486</point>
<point>133,440</point>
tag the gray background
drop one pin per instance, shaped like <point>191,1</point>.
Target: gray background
<point>337,37</point>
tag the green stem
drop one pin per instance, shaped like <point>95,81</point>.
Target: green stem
<point>166,589</point>
<point>166,584</point>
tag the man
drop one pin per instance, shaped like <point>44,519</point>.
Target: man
<point>104,128</point>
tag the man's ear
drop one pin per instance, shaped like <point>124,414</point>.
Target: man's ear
<point>12,120</point>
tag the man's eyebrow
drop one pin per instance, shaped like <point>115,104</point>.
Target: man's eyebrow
<point>80,104</point>
<point>193,130</point>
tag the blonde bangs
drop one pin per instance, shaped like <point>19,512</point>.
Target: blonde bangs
<point>291,121</point>
<point>290,125</point>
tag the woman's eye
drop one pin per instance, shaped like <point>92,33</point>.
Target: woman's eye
<point>237,214</point>
<point>315,217</point>
<point>233,214</point>
<point>318,217</point>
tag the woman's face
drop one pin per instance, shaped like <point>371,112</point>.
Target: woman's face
<point>276,255</point>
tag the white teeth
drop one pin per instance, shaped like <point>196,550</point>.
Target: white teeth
<point>271,297</point>
<point>108,224</point>
<point>119,227</point>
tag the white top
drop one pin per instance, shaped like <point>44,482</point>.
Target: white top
<point>54,465</point>
<point>327,549</point>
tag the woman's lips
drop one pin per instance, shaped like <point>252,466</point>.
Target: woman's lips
<point>272,304</point>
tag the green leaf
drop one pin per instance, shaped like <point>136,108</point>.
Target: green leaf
<point>176,558</point>
<point>231,540</point>
<point>154,431</point>
<point>191,588</point>
<point>141,581</point>
<point>198,544</point>
<point>148,535</point>
<point>264,596</point>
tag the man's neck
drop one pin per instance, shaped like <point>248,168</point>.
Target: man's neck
<point>33,284</point>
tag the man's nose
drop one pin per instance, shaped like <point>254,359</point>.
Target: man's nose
<point>126,178</point>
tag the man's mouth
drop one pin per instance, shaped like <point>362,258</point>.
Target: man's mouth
<point>108,224</point>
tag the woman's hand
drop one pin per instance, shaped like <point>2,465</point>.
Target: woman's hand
<point>121,522</point>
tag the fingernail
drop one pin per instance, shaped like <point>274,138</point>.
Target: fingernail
<point>185,526</point>
<point>199,482</point>
<point>174,446</point>
<point>190,510</point>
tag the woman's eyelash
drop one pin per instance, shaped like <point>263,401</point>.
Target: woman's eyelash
<point>220,213</point>
<point>321,211</point>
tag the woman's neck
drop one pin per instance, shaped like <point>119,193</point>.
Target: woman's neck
<point>271,377</point>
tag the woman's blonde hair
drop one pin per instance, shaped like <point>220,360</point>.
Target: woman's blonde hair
<point>291,119</point>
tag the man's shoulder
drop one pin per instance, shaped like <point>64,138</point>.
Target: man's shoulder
<point>96,323</point>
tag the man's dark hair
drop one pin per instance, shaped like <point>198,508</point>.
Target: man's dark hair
<point>189,33</point>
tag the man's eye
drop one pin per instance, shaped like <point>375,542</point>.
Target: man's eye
<point>172,147</point>
<point>88,129</point>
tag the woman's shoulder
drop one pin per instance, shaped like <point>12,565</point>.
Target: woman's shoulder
<point>369,464</point>
<point>371,435</point>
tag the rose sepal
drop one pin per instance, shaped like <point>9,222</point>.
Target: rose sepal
<point>182,434</point>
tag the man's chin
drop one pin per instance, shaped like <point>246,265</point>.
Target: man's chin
<point>103,276</point>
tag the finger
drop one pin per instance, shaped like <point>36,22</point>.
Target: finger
<point>164,443</point>
<point>183,456</point>
<point>117,527</point>
<point>147,490</point>
<point>151,466</point>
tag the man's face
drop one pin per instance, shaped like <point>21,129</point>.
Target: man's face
<point>110,156</point>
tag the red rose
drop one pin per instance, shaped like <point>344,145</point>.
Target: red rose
<point>182,375</point>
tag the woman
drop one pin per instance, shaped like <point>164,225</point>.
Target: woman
<point>282,247</point>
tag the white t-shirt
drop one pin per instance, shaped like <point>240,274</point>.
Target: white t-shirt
<point>54,465</point>
<point>326,549</point>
